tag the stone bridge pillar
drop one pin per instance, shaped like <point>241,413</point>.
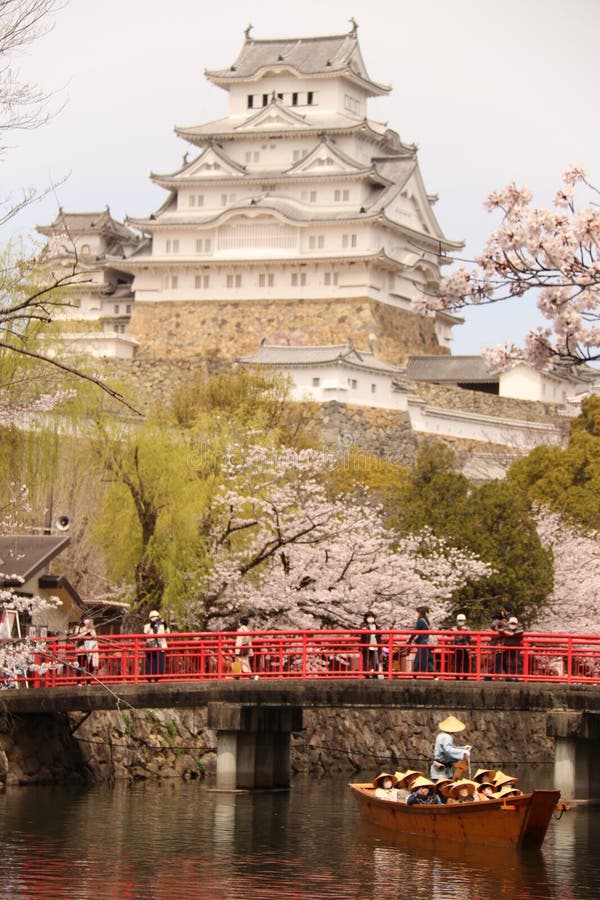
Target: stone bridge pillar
<point>253,744</point>
<point>576,749</point>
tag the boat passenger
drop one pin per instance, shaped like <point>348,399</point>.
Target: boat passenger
<point>482,775</point>
<point>462,791</point>
<point>486,790</point>
<point>507,791</point>
<point>404,785</point>
<point>441,786</point>
<point>423,792</point>
<point>445,753</point>
<point>501,779</point>
<point>384,785</point>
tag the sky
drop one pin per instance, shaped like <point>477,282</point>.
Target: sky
<point>490,92</point>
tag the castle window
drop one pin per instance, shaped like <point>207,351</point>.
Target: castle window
<point>352,383</point>
<point>348,240</point>
<point>298,279</point>
<point>266,279</point>
<point>201,281</point>
<point>373,388</point>
<point>234,281</point>
<point>310,98</point>
<point>316,241</point>
<point>128,309</point>
<point>203,245</point>
<point>116,308</point>
<point>294,99</point>
<point>85,250</point>
<point>171,281</point>
<point>250,101</point>
<point>172,246</point>
<point>341,196</point>
<point>265,99</point>
<point>316,382</point>
<point>330,278</point>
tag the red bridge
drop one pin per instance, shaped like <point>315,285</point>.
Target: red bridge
<point>323,654</point>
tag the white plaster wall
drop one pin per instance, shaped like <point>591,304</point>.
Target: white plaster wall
<point>470,426</point>
<point>524,383</point>
<point>336,384</point>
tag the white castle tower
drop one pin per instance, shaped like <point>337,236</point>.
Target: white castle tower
<point>297,219</point>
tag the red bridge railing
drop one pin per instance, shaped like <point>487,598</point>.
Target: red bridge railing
<point>211,656</point>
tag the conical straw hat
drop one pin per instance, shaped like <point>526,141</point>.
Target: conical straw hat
<point>463,783</point>
<point>421,781</point>
<point>452,725</point>
<point>383,775</point>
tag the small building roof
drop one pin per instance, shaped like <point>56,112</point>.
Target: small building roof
<point>24,555</point>
<point>285,356</point>
<point>450,369</point>
<point>87,223</point>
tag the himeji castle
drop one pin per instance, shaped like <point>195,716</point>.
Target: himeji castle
<point>295,219</point>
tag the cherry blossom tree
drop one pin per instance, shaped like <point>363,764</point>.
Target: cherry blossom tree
<point>552,253</point>
<point>573,604</point>
<point>18,656</point>
<point>300,558</point>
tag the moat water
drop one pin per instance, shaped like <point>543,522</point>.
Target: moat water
<point>184,840</point>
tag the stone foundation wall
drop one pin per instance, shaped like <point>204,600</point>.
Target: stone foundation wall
<point>228,329</point>
<point>176,743</point>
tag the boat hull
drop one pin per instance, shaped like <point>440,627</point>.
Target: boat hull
<point>519,822</point>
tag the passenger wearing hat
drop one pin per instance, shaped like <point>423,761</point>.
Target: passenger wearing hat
<point>501,779</point>
<point>405,782</point>
<point>509,790</point>
<point>384,786</point>
<point>441,786</point>
<point>486,790</point>
<point>445,753</point>
<point>155,645</point>
<point>423,791</point>
<point>462,791</point>
<point>461,640</point>
<point>482,775</point>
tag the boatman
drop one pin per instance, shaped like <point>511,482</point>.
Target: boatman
<point>446,753</point>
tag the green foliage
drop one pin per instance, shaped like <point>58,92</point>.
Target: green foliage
<point>241,401</point>
<point>566,480</point>
<point>492,521</point>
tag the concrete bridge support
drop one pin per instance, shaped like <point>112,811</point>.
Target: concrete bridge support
<point>253,744</point>
<point>576,751</point>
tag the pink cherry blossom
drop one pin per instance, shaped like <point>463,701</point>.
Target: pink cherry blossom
<point>550,252</point>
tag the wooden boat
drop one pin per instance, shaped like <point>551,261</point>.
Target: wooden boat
<point>519,822</point>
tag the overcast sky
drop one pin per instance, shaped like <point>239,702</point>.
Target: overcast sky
<point>489,91</point>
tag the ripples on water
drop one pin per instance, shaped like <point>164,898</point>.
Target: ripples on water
<point>182,840</point>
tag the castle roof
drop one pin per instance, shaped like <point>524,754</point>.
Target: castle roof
<point>87,223</point>
<point>450,369</point>
<point>286,356</point>
<point>307,57</point>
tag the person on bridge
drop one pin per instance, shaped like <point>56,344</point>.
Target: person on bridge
<point>461,641</point>
<point>445,753</point>
<point>424,655</point>
<point>155,645</point>
<point>87,650</point>
<point>243,646</point>
<point>370,651</point>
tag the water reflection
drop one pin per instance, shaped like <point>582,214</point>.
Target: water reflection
<point>176,840</point>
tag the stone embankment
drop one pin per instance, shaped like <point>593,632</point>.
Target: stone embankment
<point>175,743</point>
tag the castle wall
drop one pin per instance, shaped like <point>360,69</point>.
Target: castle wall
<point>227,329</point>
